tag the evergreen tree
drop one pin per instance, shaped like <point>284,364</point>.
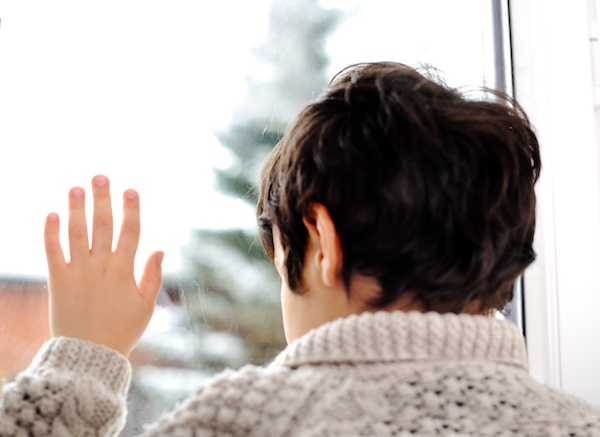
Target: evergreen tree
<point>236,287</point>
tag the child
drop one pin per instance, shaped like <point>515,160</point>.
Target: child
<point>399,214</point>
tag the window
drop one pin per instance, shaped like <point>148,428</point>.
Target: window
<point>182,100</point>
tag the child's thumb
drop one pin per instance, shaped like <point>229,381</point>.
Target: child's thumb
<point>152,277</point>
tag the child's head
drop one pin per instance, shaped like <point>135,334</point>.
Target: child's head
<point>431,193</point>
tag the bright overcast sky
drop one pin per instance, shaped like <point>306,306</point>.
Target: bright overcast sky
<point>135,90</point>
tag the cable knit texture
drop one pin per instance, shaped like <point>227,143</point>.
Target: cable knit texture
<point>377,374</point>
<point>72,388</point>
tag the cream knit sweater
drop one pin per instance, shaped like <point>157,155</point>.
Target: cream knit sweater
<point>382,374</point>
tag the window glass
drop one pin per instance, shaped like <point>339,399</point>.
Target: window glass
<point>182,101</point>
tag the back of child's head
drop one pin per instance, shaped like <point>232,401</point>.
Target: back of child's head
<point>431,193</point>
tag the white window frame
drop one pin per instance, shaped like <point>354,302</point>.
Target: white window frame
<point>553,81</point>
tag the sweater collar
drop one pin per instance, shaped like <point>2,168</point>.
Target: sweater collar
<point>398,336</point>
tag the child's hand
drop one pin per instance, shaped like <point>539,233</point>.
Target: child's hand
<point>95,297</point>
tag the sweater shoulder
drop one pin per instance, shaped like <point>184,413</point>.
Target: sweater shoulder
<point>250,401</point>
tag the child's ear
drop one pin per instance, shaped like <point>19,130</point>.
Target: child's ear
<point>326,242</point>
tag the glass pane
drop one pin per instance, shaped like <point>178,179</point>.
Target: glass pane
<point>182,101</point>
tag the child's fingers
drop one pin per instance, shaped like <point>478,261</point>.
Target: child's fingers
<point>102,228</point>
<point>152,278</point>
<point>78,234</point>
<point>54,253</point>
<point>130,228</point>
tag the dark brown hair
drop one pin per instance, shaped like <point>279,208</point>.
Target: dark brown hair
<point>431,192</point>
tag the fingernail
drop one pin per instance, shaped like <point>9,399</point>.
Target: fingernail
<point>159,258</point>
<point>131,194</point>
<point>52,217</point>
<point>77,192</point>
<point>100,181</point>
